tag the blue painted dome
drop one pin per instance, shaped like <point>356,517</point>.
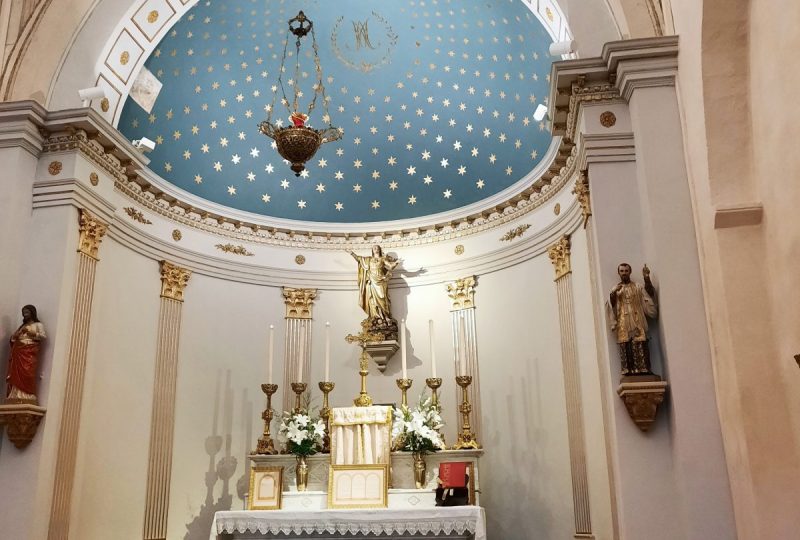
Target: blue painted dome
<point>435,99</point>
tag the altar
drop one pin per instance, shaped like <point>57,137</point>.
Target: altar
<point>452,523</point>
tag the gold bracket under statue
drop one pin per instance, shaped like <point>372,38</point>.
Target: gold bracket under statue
<point>265,443</point>
<point>363,338</point>
<point>466,438</point>
<point>298,388</point>
<point>325,414</point>
<point>404,385</point>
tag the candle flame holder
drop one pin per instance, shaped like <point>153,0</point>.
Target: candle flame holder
<point>466,438</point>
<point>298,388</point>
<point>265,443</point>
<point>434,383</point>
<point>325,414</point>
<point>404,385</point>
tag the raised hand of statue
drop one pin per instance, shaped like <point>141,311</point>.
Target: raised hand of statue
<point>648,285</point>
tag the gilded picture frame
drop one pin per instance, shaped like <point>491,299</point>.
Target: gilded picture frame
<point>358,486</point>
<point>266,488</point>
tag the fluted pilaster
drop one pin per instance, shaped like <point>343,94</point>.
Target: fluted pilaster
<point>297,346</point>
<point>462,295</point>
<point>560,256</point>
<point>162,424</point>
<point>92,231</point>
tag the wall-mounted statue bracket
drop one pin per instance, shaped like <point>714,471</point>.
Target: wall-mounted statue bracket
<point>642,398</point>
<point>21,421</point>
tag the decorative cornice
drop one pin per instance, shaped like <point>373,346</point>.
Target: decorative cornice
<point>532,197</point>
<point>92,231</point>
<point>581,192</point>
<point>462,292</point>
<point>299,302</point>
<point>580,93</point>
<point>79,139</point>
<point>235,250</point>
<point>173,280</point>
<point>87,132</point>
<point>559,256</point>
<point>516,232</point>
<point>136,215</point>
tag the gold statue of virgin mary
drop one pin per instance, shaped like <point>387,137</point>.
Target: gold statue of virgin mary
<point>374,273</point>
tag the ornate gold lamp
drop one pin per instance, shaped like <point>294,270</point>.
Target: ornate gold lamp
<point>297,143</point>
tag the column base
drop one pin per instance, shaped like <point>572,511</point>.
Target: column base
<point>642,394</point>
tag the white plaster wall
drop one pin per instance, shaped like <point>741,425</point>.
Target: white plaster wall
<point>525,475</point>
<point>111,468</point>
<point>222,362</point>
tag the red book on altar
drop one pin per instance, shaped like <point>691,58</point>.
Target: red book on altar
<point>452,474</point>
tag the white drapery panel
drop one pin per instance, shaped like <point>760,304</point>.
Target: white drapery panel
<point>361,435</point>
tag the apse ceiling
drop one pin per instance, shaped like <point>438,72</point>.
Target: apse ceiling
<point>435,99</point>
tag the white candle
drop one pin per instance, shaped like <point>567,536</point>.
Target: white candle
<point>403,346</point>
<point>462,346</point>
<point>433,349</point>
<point>271,351</point>
<point>327,351</point>
<point>300,357</point>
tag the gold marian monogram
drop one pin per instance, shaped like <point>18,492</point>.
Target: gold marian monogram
<point>361,30</point>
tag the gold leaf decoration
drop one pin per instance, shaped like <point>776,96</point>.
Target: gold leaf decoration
<point>515,232</point>
<point>176,235</point>
<point>124,57</point>
<point>152,16</point>
<point>55,167</point>
<point>459,249</point>
<point>300,259</point>
<point>136,215</point>
<point>236,250</point>
<point>94,179</point>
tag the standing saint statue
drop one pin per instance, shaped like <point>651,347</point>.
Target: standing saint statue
<point>631,304</point>
<point>374,273</point>
<point>24,360</point>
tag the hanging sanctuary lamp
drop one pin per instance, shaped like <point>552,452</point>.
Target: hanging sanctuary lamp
<point>297,142</point>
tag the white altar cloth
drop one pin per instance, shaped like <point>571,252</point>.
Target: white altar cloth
<point>437,520</point>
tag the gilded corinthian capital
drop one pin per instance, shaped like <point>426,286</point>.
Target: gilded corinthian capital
<point>462,292</point>
<point>92,231</point>
<point>299,302</point>
<point>173,280</point>
<point>559,256</point>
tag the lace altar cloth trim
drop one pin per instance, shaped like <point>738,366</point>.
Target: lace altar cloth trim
<point>448,520</point>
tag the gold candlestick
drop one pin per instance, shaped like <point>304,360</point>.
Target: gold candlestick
<point>466,439</point>
<point>298,388</point>
<point>434,384</point>
<point>265,444</point>
<point>404,385</point>
<point>362,338</point>
<point>325,414</point>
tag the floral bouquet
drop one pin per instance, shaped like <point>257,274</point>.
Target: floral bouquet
<point>301,432</point>
<point>417,429</point>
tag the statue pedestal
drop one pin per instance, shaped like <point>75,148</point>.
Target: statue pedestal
<point>642,394</point>
<point>21,421</point>
<point>382,351</point>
